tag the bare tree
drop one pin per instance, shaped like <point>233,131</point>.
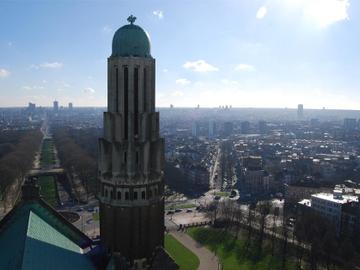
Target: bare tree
<point>250,224</point>
<point>263,210</point>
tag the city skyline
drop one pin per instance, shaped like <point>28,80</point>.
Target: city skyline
<point>275,53</point>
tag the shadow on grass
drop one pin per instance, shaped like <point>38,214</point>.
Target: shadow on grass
<point>235,253</point>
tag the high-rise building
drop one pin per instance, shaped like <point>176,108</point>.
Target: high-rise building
<point>255,178</point>
<point>300,111</point>
<point>70,106</point>
<point>131,153</point>
<point>212,129</point>
<point>31,107</point>
<point>56,106</point>
<point>263,127</point>
<point>228,128</point>
<point>195,129</point>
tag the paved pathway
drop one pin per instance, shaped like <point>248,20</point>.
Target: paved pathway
<point>208,260</point>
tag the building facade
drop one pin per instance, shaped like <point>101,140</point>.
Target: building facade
<point>131,152</point>
<point>340,209</point>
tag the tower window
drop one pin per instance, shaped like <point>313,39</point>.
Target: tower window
<point>127,195</point>
<point>125,157</point>
<point>119,195</point>
<point>136,102</point>
<point>135,195</point>
<point>111,194</point>
<point>126,101</point>
<point>117,91</point>
<point>137,158</point>
<point>150,194</point>
<point>105,193</point>
<point>144,90</point>
<point>143,195</point>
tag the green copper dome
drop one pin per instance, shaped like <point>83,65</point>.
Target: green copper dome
<point>131,40</point>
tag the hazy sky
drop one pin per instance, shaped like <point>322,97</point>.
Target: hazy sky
<point>244,53</point>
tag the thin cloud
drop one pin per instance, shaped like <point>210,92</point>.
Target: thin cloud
<point>32,87</point>
<point>244,67</point>
<point>159,14</point>
<point>182,81</point>
<point>51,65</point>
<point>48,65</point>
<point>107,29</point>
<point>89,90</point>
<point>326,12</point>
<point>200,66</point>
<point>4,73</point>
<point>320,13</point>
<point>260,14</point>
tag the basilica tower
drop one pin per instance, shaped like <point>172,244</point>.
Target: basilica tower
<point>131,153</point>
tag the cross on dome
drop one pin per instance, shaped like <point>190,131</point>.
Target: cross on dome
<point>131,19</point>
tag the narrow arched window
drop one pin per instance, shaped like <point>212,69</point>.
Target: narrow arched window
<point>143,195</point>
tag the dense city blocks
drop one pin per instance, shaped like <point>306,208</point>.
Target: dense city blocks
<point>188,135</point>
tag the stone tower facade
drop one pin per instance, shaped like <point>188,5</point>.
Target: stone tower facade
<point>131,152</point>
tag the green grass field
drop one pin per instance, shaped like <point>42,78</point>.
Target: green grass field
<point>182,256</point>
<point>47,152</point>
<point>232,252</point>
<point>222,194</point>
<point>47,189</point>
<point>96,216</point>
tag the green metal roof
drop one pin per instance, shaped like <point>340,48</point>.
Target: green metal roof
<point>131,40</point>
<point>30,239</point>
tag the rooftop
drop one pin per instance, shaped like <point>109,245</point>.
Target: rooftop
<point>37,237</point>
<point>336,199</point>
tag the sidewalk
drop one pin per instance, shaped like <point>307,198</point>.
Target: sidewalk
<point>208,260</point>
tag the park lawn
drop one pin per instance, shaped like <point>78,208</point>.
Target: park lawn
<point>185,258</point>
<point>180,206</point>
<point>222,194</point>
<point>48,189</point>
<point>47,152</point>
<point>232,252</point>
<point>96,216</point>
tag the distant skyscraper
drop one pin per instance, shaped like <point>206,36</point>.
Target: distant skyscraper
<point>70,106</point>
<point>212,128</point>
<point>300,111</point>
<point>131,153</point>
<point>195,129</point>
<point>31,107</point>
<point>56,106</point>
<point>228,128</point>
<point>262,127</point>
